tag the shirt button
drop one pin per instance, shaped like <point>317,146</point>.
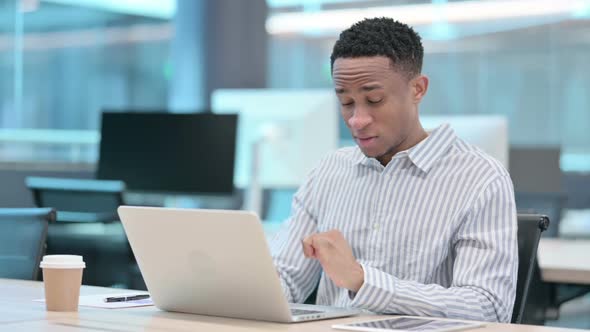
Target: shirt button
<point>376,226</point>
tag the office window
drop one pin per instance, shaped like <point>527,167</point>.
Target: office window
<point>63,61</point>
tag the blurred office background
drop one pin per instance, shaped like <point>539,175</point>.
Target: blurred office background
<point>64,62</point>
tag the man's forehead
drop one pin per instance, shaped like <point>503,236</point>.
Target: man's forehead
<point>366,70</point>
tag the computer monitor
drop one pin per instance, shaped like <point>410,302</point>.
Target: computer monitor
<point>488,132</point>
<point>294,129</point>
<point>169,152</point>
<point>535,169</point>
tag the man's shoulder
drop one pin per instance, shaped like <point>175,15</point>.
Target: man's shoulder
<point>471,156</point>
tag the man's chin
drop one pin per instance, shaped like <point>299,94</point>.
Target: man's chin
<point>370,153</point>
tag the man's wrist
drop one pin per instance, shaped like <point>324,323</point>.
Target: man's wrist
<point>358,278</point>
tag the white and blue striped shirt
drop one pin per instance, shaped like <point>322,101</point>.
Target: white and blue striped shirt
<point>434,230</point>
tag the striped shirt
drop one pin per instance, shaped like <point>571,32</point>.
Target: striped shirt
<point>434,230</point>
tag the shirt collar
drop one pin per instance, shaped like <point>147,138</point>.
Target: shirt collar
<point>424,154</point>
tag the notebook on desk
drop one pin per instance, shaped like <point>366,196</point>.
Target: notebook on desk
<point>212,262</point>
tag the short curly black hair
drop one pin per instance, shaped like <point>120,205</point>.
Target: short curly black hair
<point>381,36</point>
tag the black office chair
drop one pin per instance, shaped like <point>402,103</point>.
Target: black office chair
<point>528,310</point>
<point>88,225</point>
<point>549,204</point>
<point>78,200</point>
<point>22,241</point>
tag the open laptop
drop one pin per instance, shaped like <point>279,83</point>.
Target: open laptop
<point>212,262</point>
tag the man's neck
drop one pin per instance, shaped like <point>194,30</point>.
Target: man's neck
<point>416,136</point>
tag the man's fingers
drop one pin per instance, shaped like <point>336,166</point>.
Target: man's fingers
<point>308,249</point>
<point>316,243</point>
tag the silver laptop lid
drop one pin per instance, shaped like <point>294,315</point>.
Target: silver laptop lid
<point>209,262</point>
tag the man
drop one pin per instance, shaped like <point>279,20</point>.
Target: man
<point>408,222</point>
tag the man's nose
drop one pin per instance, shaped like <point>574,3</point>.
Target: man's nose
<point>360,119</point>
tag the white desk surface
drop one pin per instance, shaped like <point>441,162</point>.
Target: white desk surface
<point>575,223</point>
<point>564,260</point>
<point>19,313</point>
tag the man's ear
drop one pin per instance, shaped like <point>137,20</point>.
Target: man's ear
<point>419,88</point>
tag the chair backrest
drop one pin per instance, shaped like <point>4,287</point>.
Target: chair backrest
<point>549,204</point>
<point>530,227</point>
<point>74,197</point>
<point>22,241</point>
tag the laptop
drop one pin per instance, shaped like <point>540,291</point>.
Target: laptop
<point>212,262</point>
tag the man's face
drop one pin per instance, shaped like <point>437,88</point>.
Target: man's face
<point>378,104</point>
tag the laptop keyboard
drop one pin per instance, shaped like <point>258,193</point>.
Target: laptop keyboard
<point>296,312</point>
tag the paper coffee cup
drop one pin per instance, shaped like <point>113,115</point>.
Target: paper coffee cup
<point>62,278</point>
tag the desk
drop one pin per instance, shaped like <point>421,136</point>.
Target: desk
<point>564,260</point>
<point>19,313</point>
<point>575,223</point>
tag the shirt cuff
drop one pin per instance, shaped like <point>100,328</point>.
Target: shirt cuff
<point>377,291</point>
<point>286,290</point>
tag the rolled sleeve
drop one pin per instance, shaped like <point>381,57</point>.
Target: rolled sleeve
<point>377,291</point>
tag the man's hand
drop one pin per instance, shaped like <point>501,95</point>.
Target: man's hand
<point>335,256</point>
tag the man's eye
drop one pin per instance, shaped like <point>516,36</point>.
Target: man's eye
<point>375,101</point>
<point>348,103</point>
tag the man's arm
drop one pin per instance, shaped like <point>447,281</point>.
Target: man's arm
<point>298,275</point>
<point>484,272</point>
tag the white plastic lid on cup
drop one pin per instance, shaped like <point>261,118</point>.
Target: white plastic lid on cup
<point>62,262</point>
